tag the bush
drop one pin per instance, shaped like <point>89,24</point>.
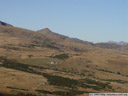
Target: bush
<point>105,70</point>
<point>118,81</point>
<point>68,93</point>
<point>30,56</point>
<point>97,84</point>
<point>44,91</point>
<point>63,93</point>
<point>52,47</point>
<point>118,73</point>
<point>19,94</point>
<point>61,56</point>
<point>61,81</point>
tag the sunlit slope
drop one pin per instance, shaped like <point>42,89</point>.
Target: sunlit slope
<point>34,62</point>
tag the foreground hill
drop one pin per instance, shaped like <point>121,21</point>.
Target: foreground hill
<point>44,63</point>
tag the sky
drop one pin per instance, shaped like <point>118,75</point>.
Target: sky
<point>90,20</point>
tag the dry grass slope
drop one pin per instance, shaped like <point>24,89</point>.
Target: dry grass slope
<point>45,63</point>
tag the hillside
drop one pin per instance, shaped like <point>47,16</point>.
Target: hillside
<point>44,63</point>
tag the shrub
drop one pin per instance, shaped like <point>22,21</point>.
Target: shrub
<point>44,91</point>
<point>19,94</point>
<point>30,56</point>
<point>118,81</point>
<point>61,56</point>
<point>63,93</point>
<point>61,81</point>
<point>97,84</point>
<point>52,47</point>
<point>118,73</point>
<point>68,93</point>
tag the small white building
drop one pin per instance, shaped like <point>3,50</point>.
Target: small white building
<point>53,62</point>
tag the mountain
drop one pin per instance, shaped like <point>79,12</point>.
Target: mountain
<point>4,24</point>
<point>113,45</point>
<point>54,39</point>
<point>118,43</point>
<point>44,38</point>
<point>107,45</point>
<point>40,63</point>
<point>47,32</point>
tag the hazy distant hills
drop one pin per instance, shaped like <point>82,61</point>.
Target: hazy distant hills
<point>113,45</point>
<point>118,43</point>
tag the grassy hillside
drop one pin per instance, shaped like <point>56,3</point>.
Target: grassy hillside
<point>44,63</point>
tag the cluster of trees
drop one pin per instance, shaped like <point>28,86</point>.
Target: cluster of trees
<point>19,94</point>
<point>63,93</point>
<point>61,81</point>
<point>97,85</point>
<point>119,73</point>
<point>61,56</point>
<point>118,81</point>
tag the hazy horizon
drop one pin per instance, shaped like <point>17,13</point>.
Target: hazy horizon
<point>89,20</point>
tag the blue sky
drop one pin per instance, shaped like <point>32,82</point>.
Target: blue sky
<point>91,20</point>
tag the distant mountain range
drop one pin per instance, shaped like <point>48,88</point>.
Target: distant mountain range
<point>118,43</point>
<point>45,37</point>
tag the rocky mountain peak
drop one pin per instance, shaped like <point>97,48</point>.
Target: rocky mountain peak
<point>45,30</point>
<point>4,23</point>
